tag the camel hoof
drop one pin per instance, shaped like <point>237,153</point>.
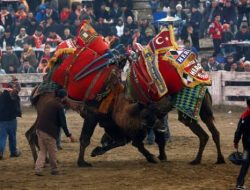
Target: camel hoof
<point>220,161</point>
<point>162,158</point>
<point>153,159</point>
<point>97,151</point>
<point>195,162</point>
<point>83,164</point>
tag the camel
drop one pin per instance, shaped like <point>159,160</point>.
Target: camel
<point>124,122</point>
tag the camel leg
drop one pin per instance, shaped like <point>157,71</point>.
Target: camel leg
<point>197,130</point>
<point>90,122</point>
<point>206,115</point>
<point>161,142</point>
<point>138,143</point>
<point>100,150</point>
<point>32,140</point>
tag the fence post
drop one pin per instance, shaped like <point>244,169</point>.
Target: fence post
<point>216,88</point>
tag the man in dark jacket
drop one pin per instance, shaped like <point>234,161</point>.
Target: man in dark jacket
<point>243,130</point>
<point>51,118</point>
<point>9,111</point>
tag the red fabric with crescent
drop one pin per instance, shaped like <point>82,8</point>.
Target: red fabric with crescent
<point>77,89</point>
<point>162,40</point>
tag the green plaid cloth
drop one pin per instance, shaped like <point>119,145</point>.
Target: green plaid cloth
<point>48,85</point>
<point>189,100</point>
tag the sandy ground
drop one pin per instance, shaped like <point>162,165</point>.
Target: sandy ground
<point>124,168</point>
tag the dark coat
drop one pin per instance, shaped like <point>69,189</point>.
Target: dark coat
<point>243,130</point>
<point>9,106</point>
<point>51,117</point>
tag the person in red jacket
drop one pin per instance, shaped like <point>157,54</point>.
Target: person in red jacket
<point>215,30</point>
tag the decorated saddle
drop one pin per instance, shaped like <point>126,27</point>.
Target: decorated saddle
<point>86,70</point>
<point>162,67</point>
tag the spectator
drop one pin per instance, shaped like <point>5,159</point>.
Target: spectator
<point>131,24</point>
<point>188,46</point>
<point>26,67</point>
<point>38,38</point>
<point>103,12</point>
<point>204,63</point>
<point>126,38</point>
<point>43,66</point>
<point>41,13</point>
<point>209,14</point>
<point>6,19</point>
<point>243,10</point>
<point>30,24</point>
<point>21,38</point>
<point>212,64</point>
<point>215,30</point>
<point>29,55</point>
<point>247,66</point>
<point>234,67</point>
<point>190,34</point>
<point>9,60</point>
<point>116,12</point>
<point>46,52</point>
<point>243,34</point>
<point>8,38</point>
<point>227,18</point>
<point>50,13</point>
<point>146,25</point>
<point>64,15</point>
<point>180,13</point>
<point>195,20</point>
<point>9,111</point>
<point>54,39</point>
<point>137,37</point>
<point>154,5</point>
<point>120,27</point>
<point>48,128</point>
<point>244,133</point>
<point>67,35</point>
<point>21,14</point>
<point>75,12</point>
<point>229,62</point>
<point>149,35</point>
<point>227,35</point>
<point>126,12</point>
<point>102,28</point>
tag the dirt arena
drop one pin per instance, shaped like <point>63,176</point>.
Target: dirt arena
<point>124,168</point>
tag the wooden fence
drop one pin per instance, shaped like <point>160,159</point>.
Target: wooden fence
<point>228,88</point>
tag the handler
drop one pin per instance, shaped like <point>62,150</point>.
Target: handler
<point>243,130</point>
<point>51,118</point>
<point>9,110</point>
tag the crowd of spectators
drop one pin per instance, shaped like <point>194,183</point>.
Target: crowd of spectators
<point>30,31</point>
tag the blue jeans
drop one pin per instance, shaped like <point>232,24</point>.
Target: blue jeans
<point>151,134</point>
<point>244,168</point>
<point>8,129</point>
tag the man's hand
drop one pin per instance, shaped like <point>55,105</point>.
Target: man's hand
<point>72,139</point>
<point>236,146</point>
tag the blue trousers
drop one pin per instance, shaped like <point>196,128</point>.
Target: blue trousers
<point>151,134</point>
<point>244,168</point>
<point>8,129</point>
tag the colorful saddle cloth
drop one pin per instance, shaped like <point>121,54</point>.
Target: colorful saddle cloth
<point>84,58</point>
<point>163,67</point>
<point>189,100</point>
